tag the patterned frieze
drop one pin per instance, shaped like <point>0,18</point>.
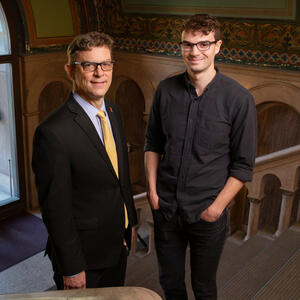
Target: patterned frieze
<point>244,41</point>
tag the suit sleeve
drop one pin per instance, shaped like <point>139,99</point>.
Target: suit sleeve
<point>54,184</point>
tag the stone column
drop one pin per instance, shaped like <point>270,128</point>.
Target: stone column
<point>285,211</point>
<point>298,213</point>
<point>253,218</point>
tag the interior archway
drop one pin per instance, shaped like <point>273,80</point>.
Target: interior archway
<point>271,204</point>
<point>131,101</point>
<point>278,127</point>
<point>53,95</point>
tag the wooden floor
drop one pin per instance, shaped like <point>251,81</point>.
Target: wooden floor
<point>261,268</point>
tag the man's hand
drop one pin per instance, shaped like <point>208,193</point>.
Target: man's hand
<point>153,200</point>
<point>211,214</point>
<point>125,245</point>
<point>75,282</point>
<point>151,167</point>
<point>231,188</point>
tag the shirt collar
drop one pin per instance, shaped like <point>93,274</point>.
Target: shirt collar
<point>88,108</point>
<point>191,88</point>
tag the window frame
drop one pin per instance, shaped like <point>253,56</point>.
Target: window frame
<point>15,31</point>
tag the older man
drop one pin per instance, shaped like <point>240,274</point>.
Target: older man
<point>82,175</point>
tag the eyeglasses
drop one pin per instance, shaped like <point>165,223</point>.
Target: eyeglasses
<point>89,66</point>
<point>201,46</point>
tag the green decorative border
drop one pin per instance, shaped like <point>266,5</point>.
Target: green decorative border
<point>274,44</point>
<point>226,55</point>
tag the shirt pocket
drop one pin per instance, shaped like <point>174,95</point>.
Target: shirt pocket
<point>214,135</point>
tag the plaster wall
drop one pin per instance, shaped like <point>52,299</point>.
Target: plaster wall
<point>38,71</point>
<point>266,84</point>
<point>146,71</point>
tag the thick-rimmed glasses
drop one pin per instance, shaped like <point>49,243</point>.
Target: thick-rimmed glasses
<point>89,66</point>
<point>201,46</point>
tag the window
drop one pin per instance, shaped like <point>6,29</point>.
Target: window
<point>4,35</point>
<point>9,184</point>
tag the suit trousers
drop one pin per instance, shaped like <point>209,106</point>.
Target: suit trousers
<point>107,277</point>
<point>206,241</point>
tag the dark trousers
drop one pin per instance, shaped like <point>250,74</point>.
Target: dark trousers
<point>108,277</point>
<point>206,242</point>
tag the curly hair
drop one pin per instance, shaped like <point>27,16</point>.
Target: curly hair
<point>85,42</point>
<point>203,23</point>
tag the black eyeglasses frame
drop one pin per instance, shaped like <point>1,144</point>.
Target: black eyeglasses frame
<point>197,45</point>
<point>95,64</point>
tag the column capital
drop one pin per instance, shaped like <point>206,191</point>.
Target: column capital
<point>287,192</point>
<point>254,200</point>
<point>145,117</point>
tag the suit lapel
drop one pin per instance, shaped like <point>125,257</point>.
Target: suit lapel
<point>116,133</point>
<point>84,122</point>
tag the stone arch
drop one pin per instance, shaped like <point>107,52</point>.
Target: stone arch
<point>131,102</point>
<point>42,72</point>
<point>289,176</point>
<point>52,95</point>
<point>270,204</point>
<point>38,84</point>
<point>145,85</point>
<point>286,170</point>
<point>277,92</point>
<point>278,127</point>
<point>264,182</point>
<point>39,71</point>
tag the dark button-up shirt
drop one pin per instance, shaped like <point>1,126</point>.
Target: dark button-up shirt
<point>203,140</point>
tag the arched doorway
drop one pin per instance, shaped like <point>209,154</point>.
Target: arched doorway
<point>270,205</point>
<point>12,192</point>
<point>278,127</point>
<point>131,101</point>
<point>53,95</point>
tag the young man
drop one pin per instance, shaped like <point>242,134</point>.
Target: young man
<point>200,149</point>
<point>82,174</point>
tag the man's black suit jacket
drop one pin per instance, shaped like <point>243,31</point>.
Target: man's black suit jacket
<point>81,198</point>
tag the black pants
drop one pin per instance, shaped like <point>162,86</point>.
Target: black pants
<point>206,242</point>
<point>108,277</point>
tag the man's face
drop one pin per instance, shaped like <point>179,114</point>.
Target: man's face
<point>91,86</point>
<point>196,60</point>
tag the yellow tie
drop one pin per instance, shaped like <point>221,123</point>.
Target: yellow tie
<point>110,149</point>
